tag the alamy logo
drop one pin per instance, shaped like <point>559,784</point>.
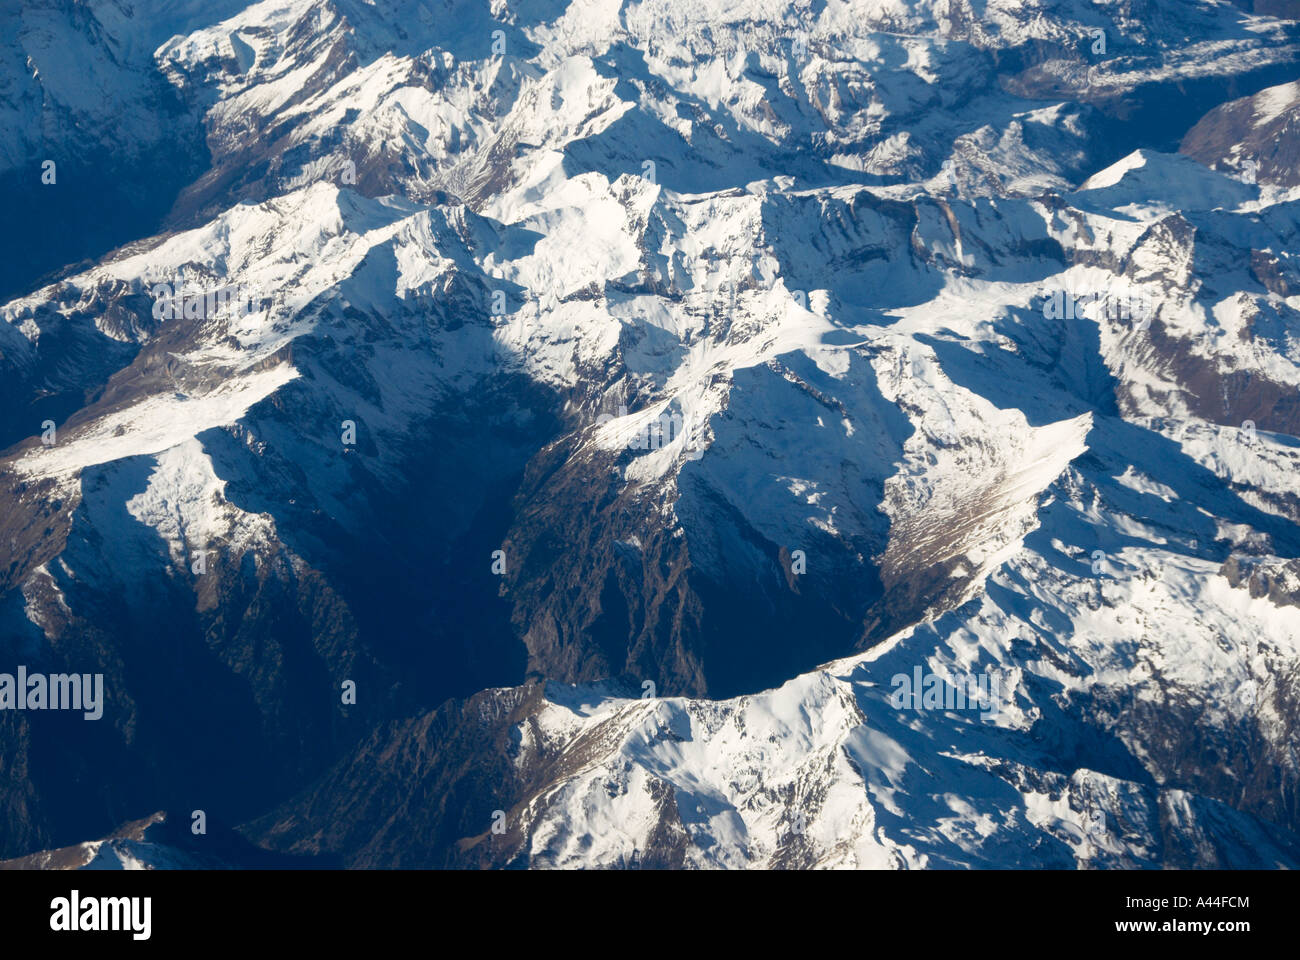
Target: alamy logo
<point>72,913</point>
<point>58,691</point>
<point>1064,305</point>
<point>235,300</point>
<point>658,433</point>
<point>930,691</point>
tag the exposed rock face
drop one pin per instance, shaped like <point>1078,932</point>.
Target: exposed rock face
<point>1257,135</point>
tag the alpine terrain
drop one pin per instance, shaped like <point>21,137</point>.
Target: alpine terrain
<point>650,433</point>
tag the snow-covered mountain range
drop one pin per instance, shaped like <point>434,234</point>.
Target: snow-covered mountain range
<point>611,434</point>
